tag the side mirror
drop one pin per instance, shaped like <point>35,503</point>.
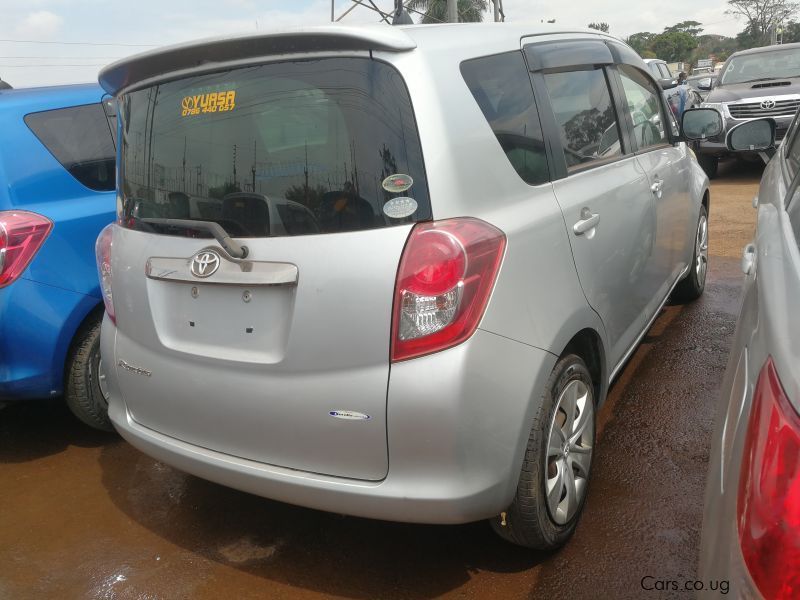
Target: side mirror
<point>704,84</point>
<point>668,84</point>
<point>701,123</point>
<point>753,136</point>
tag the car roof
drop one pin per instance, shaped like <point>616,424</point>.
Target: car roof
<point>28,100</point>
<point>761,49</point>
<point>458,38</point>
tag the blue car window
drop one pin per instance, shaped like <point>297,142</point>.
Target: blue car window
<point>80,139</point>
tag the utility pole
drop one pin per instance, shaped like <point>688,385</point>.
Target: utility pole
<point>496,10</point>
<point>452,11</point>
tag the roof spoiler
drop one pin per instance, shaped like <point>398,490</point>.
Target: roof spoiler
<point>154,64</point>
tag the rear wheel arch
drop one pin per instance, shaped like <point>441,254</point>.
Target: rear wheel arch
<point>588,345</point>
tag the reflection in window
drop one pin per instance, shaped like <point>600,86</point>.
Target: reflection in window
<point>585,115</point>
<point>644,105</point>
<point>501,86</point>
<point>290,148</point>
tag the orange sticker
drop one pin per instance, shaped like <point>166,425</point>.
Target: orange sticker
<point>212,102</point>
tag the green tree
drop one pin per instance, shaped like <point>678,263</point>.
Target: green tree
<point>790,32</point>
<point>761,15</point>
<point>691,27</point>
<point>641,41</point>
<point>673,46</point>
<point>435,11</point>
<point>603,26</point>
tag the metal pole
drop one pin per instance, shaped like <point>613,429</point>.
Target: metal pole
<point>333,18</point>
<point>452,11</point>
<point>496,10</point>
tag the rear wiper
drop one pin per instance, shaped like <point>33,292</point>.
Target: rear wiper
<point>215,229</point>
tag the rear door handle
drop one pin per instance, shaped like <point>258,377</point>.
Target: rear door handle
<point>588,222</point>
<point>656,187</point>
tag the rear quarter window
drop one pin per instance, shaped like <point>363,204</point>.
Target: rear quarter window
<point>80,139</point>
<point>502,88</point>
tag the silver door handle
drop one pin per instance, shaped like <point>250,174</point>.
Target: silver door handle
<point>588,222</point>
<point>656,187</point>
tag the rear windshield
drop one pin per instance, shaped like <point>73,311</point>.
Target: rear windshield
<point>291,148</point>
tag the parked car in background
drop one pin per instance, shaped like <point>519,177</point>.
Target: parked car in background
<point>702,84</point>
<point>756,83</point>
<point>751,525</point>
<point>57,181</point>
<point>414,323</point>
<point>660,70</point>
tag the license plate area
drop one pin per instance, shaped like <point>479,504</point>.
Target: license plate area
<point>228,322</point>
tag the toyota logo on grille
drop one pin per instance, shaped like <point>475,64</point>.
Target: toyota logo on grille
<point>205,263</point>
<point>768,104</point>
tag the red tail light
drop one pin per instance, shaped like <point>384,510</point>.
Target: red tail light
<point>769,491</point>
<point>22,233</point>
<point>102,252</point>
<point>446,275</point>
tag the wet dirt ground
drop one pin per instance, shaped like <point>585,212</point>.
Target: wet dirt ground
<point>84,515</point>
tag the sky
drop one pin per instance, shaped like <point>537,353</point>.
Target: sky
<point>49,42</point>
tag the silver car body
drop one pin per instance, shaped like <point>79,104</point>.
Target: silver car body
<point>767,327</point>
<point>446,432</point>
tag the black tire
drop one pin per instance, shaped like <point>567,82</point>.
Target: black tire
<point>528,522</point>
<point>83,394</point>
<point>691,287</point>
<point>709,164</point>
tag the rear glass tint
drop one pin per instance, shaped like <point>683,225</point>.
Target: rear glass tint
<point>80,139</point>
<point>290,148</point>
<point>502,89</point>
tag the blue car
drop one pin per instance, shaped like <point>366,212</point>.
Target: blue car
<point>57,180</point>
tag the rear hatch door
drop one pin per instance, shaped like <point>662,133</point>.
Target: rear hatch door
<point>281,357</point>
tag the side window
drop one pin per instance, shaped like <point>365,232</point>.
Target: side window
<point>654,70</point>
<point>794,216</point>
<point>643,100</point>
<point>792,147</point>
<point>502,88</point>
<point>80,139</point>
<point>665,73</point>
<point>585,116</point>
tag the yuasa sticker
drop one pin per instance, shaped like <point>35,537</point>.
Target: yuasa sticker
<point>399,208</point>
<point>397,183</point>
<point>208,103</point>
<point>349,415</point>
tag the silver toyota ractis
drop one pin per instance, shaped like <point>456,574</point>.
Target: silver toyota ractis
<point>390,271</point>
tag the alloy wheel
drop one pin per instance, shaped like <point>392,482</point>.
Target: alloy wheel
<point>701,250</point>
<point>569,451</point>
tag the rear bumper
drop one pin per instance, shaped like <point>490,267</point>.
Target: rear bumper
<point>458,424</point>
<point>37,324</point>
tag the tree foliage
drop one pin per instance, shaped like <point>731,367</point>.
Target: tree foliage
<point>602,26</point>
<point>435,11</point>
<point>641,41</point>
<point>691,27</point>
<point>674,46</point>
<point>761,15</point>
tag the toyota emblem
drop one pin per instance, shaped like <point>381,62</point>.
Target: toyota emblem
<point>768,104</point>
<point>205,263</point>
